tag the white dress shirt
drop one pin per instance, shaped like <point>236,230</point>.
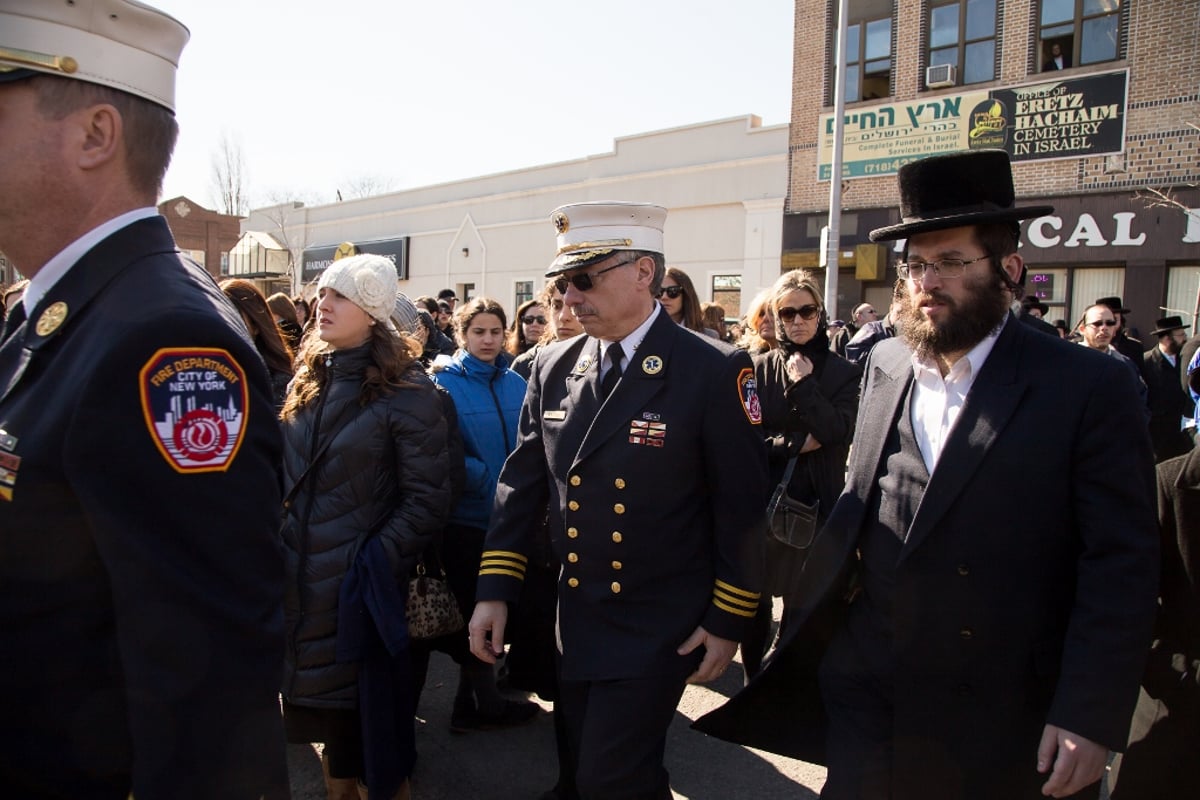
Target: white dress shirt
<point>937,402</point>
<point>629,344</point>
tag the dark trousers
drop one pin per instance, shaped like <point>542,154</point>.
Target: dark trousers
<point>618,733</point>
<point>859,744</point>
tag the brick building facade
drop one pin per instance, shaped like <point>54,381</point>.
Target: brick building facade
<point>1116,119</point>
<point>202,234</point>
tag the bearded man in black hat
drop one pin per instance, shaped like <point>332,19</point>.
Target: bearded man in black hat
<point>985,654</point>
<point>1169,402</point>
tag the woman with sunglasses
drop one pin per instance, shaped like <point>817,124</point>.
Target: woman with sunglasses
<point>678,298</point>
<point>809,397</point>
<point>527,327</point>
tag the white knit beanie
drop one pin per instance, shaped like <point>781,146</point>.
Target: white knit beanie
<point>368,281</point>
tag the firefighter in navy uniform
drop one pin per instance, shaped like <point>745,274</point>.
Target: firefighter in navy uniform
<point>644,439</point>
<point>140,575</point>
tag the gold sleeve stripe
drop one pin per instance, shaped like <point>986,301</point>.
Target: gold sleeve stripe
<point>741,612</point>
<point>507,572</point>
<point>505,554</point>
<point>737,601</point>
<point>495,559</point>
<point>734,590</point>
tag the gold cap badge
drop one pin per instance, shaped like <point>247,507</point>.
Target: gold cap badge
<point>51,319</point>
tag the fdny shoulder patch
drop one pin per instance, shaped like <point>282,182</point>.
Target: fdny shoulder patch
<point>748,394</point>
<point>195,403</point>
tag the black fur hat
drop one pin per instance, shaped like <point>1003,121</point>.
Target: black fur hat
<point>972,187</point>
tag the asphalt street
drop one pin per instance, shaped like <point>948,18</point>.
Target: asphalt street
<point>520,763</point>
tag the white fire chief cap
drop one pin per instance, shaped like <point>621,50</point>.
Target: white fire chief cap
<point>589,232</point>
<point>121,44</point>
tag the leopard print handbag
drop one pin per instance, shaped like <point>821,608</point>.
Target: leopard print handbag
<point>431,610</point>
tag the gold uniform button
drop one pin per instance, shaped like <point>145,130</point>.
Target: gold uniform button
<point>617,565</point>
<point>573,582</point>
<point>573,557</point>
<point>572,533</point>
<point>619,508</point>
<point>576,480</point>
<point>619,483</point>
<point>573,505</point>
<point>617,537</point>
<point>616,588</point>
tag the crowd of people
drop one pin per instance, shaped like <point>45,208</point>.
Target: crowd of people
<point>215,504</point>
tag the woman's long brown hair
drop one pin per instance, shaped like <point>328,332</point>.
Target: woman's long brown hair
<point>391,355</point>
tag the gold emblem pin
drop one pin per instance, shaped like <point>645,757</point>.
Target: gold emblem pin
<point>51,319</point>
<point>652,365</point>
<point>581,366</point>
<point>561,223</point>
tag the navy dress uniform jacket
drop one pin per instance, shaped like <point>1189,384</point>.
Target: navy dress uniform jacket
<point>140,573</point>
<point>1002,620</point>
<point>656,500</point>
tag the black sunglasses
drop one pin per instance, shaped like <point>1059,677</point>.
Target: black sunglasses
<point>584,281</point>
<point>787,313</point>
<point>530,319</point>
<point>672,292</point>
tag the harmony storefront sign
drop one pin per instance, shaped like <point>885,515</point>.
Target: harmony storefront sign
<point>316,259</point>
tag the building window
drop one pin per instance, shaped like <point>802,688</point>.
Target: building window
<point>1050,287</point>
<point>727,293</point>
<point>868,50</point>
<point>962,34</point>
<point>1077,32</point>
<point>847,226</point>
<point>224,262</point>
<point>1087,284</point>
<point>523,293</point>
<point>1183,287</point>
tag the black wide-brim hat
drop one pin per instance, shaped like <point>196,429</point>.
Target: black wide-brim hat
<point>1168,324</point>
<point>1115,305</point>
<point>972,187</point>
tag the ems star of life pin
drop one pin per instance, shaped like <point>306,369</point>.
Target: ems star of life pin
<point>652,365</point>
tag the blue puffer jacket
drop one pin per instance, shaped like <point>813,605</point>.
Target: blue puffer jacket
<point>488,398</point>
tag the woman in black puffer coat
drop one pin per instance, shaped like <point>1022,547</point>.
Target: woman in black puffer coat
<point>365,462</point>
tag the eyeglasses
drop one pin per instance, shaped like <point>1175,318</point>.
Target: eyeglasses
<point>787,313</point>
<point>1102,323</point>
<point>584,281</point>
<point>530,319</point>
<point>943,268</point>
<point>672,292</point>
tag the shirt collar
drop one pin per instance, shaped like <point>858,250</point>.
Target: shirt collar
<point>630,343</point>
<point>61,264</point>
<point>968,365</point>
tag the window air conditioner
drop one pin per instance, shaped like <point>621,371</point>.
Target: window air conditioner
<point>941,75</point>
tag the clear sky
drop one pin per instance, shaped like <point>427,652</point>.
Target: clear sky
<point>324,96</point>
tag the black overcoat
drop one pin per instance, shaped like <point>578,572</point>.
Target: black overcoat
<point>1004,620</point>
<point>1168,402</point>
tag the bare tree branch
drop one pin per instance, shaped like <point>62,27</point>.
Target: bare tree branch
<point>365,186</point>
<point>229,176</point>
